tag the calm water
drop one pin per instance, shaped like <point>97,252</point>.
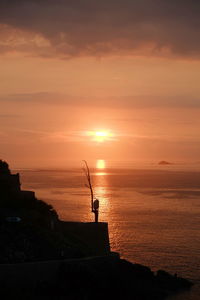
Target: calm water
<point>153,214</point>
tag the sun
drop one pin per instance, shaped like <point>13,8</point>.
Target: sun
<point>101,133</point>
<point>100,136</point>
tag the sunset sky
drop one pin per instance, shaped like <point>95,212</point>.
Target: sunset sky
<point>114,80</point>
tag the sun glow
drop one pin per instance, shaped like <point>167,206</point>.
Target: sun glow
<point>100,136</point>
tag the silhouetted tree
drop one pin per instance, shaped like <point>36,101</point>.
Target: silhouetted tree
<point>89,185</point>
<point>94,203</point>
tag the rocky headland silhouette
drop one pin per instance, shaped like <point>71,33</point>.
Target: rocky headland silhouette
<point>43,257</point>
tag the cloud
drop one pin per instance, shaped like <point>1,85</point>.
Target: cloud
<point>45,97</point>
<point>8,116</point>
<point>134,101</point>
<point>68,28</point>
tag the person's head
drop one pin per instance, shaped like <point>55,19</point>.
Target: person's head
<point>96,204</point>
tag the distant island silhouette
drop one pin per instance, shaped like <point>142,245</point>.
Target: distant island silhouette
<point>42,257</point>
<point>164,162</point>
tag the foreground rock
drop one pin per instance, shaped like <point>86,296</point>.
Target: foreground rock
<point>117,278</point>
<point>90,278</point>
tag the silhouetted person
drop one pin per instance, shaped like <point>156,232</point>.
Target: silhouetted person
<point>96,210</point>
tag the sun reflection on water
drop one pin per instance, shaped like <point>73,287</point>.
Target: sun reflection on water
<point>100,189</point>
<point>100,164</point>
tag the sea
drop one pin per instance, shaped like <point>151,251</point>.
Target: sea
<point>153,210</point>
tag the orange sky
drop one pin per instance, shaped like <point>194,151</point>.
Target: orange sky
<point>147,97</point>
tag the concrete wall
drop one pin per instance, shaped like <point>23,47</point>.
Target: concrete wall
<point>94,236</point>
